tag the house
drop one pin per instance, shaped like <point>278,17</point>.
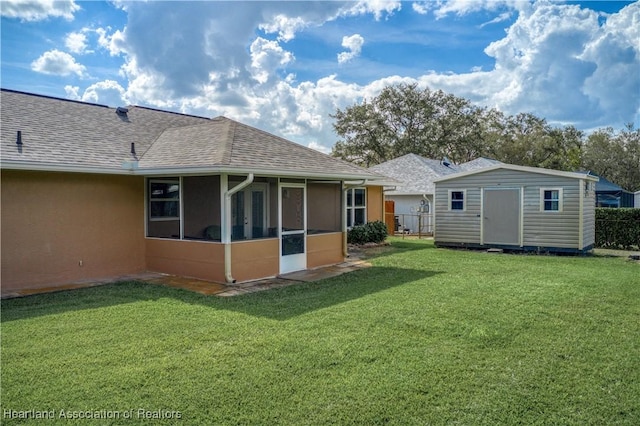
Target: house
<point>636,202</point>
<point>515,207</point>
<point>413,195</point>
<point>608,194</point>
<point>91,192</point>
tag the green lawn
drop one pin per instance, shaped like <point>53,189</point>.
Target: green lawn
<point>425,336</point>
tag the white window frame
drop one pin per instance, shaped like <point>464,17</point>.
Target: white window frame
<point>351,209</point>
<point>560,199</point>
<point>464,200</point>
<point>176,181</point>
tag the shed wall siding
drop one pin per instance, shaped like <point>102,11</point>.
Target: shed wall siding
<point>540,228</point>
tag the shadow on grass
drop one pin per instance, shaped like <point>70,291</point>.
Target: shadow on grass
<point>300,299</point>
<point>281,303</point>
<point>396,246</point>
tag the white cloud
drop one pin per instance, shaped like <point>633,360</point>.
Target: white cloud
<point>285,27</point>
<point>464,7</point>
<point>556,61</point>
<point>315,145</point>
<point>76,42</point>
<point>267,57</point>
<point>500,18</point>
<point>38,10</point>
<point>72,92</point>
<point>56,62</point>
<point>114,43</point>
<point>559,63</point>
<point>354,44</point>
<point>375,7</point>
<point>422,7</point>
<point>107,92</point>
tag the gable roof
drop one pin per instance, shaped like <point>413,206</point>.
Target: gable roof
<point>417,174</point>
<point>63,135</point>
<point>537,170</point>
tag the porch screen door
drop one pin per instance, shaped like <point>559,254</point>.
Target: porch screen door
<point>293,228</point>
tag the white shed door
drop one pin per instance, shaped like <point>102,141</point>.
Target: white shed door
<point>501,216</point>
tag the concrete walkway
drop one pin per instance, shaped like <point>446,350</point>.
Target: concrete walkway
<point>227,290</point>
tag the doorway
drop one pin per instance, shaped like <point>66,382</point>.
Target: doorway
<point>249,212</point>
<point>293,227</point>
<point>501,216</point>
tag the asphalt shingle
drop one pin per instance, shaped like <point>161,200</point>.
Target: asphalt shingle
<point>417,173</point>
<point>59,133</point>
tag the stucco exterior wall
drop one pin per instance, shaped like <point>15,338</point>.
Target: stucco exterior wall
<point>375,204</point>
<point>61,228</point>
<point>324,249</point>
<point>195,259</point>
<point>255,259</point>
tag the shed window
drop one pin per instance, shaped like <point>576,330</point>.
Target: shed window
<point>456,200</point>
<point>551,199</point>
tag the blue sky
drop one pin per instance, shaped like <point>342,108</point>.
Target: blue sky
<point>286,66</point>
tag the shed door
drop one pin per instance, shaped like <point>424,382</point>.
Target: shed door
<point>501,216</point>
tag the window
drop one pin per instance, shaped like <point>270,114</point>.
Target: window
<point>163,208</point>
<point>457,200</point>
<point>356,207</point>
<point>551,199</point>
<point>164,199</point>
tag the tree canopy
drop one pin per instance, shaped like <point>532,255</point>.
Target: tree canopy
<point>404,119</point>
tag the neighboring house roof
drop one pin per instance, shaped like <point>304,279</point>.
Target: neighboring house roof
<point>416,174</point>
<point>605,185</point>
<point>479,163</point>
<point>506,166</point>
<point>64,135</point>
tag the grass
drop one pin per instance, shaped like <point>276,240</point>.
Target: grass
<point>425,336</point>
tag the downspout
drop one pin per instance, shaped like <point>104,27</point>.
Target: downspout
<point>227,225</point>
<point>345,188</point>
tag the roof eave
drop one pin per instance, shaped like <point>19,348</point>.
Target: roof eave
<point>159,171</point>
<point>52,167</point>
<point>538,170</point>
<point>133,169</point>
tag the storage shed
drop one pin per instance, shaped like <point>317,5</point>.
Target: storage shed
<point>516,208</point>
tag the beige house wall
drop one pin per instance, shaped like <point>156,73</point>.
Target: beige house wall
<point>375,204</point>
<point>195,259</point>
<point>254,259</point>
<point>324,249</point>
<point>60,228</point>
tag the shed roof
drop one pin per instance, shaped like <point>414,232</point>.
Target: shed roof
<point>63,135</point>
<point>535,170</point>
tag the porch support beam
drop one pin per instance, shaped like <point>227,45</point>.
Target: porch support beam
<point>225,232</point>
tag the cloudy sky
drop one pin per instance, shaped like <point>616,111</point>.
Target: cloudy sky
<point>285,66</point>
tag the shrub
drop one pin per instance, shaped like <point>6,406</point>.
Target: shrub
<point>617,228</point>
<point>371,232</point>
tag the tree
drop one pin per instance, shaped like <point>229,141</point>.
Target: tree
<point>615,156</point>
<point>403,119</point>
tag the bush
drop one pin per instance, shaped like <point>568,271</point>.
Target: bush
<point>617,228</point>
<point>371,232</point>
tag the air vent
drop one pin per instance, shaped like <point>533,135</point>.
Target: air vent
<point>122,111</point>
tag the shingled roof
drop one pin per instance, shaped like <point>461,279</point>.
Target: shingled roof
<point>417,173</point>
<point>63,135</point>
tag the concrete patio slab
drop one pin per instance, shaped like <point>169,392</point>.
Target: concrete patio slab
<point>209,288</point>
